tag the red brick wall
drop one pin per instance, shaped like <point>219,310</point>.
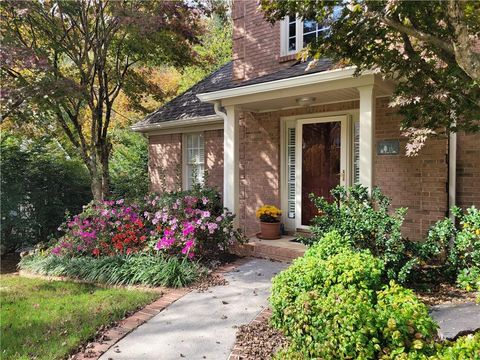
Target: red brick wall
<point>165,159</point>
<point>214,158</point>
<point>418,183</point>
<point>260,159</point>
<point>468,170</point>
<point>256,43</point>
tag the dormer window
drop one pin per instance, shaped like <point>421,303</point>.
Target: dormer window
<point>297,33</point>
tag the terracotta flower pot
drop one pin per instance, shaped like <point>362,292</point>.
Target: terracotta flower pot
<point>269,231</point>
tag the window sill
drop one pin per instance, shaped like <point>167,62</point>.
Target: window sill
<point>286,58</point>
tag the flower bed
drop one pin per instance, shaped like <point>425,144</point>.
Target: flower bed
<point>159,241</point>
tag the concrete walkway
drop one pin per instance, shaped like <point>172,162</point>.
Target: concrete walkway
<point>456,319</point>
<point>202,325</point>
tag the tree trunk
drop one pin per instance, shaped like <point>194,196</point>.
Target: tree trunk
<point>99,172</point>
<point>104,160</point>
<point>97,187</point>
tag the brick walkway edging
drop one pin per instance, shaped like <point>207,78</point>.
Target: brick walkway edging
<point>237,351</point>
<point>114,334</point>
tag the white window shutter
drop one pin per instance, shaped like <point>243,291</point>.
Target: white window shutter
<point>291,173</point>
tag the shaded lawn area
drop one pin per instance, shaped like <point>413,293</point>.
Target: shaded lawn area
<point>48,319</point>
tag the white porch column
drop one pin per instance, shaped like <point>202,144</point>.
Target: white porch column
<point>367,134</point>
<point>231,176</point>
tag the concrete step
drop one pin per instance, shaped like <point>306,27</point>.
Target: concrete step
<point>283,249</point>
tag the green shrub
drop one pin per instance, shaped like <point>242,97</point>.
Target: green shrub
<point>138,269</point>
<point>469,279</point>
<point>128,165</point>
<point>464,348</point>
<point>466,251</point>
<point>368,222</point>
<point>463,255</point>
<point>337,325</point>
<point>358,270</point>
<point>330,244</point>
<point>39,183</point>
<point>324,301</point>
<point>438,239</point>
<point>403,323</point>
<point>330,305</point>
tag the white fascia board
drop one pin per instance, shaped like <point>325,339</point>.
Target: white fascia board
<point>180,123</point>
<point>320,77</point>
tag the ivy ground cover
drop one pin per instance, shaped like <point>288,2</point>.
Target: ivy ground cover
<point>50,319</point>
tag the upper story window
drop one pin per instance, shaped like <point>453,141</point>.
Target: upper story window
<point>194,160</point>
<point>297,33</point>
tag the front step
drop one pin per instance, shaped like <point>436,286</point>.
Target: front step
<point>283,249</point>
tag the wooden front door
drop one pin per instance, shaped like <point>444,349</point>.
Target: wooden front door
<point>320,157</point>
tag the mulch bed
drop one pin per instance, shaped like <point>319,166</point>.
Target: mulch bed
<point>257,340</point>
<point>445,293</point>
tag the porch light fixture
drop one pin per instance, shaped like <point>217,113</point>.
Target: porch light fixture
<point>305,101</point>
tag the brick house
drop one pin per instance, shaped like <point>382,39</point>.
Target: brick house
<point>270,132</point>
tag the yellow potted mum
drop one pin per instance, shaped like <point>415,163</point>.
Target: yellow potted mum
<point>269,217</point>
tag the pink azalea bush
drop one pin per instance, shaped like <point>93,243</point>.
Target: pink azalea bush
<point>189,224</point>
<point>105,228</point>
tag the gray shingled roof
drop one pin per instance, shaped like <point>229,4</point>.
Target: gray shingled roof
<point>297,69</point>
<point>187,105</point>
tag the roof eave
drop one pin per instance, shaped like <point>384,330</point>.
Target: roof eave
<point>178,123</point>
<point>307,79</point>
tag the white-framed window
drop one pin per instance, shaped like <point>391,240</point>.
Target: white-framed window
<point>297,33</point>
<point>194,159</point>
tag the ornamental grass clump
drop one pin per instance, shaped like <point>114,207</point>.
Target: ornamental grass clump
<point>135,269</point>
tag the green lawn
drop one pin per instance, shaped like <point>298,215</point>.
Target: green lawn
<point>48,319</point>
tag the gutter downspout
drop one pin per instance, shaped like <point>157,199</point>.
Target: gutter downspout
<point>218,111</point>
<point>452,173</point>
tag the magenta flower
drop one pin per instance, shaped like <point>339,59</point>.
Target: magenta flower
<point>188,229</point>
<point>188,245</point>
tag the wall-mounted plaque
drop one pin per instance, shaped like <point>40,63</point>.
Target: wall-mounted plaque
<point>388,147</point>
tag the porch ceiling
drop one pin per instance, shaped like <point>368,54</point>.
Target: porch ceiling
<point>287,102</point>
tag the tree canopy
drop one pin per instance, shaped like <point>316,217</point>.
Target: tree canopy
<point>430,48</point>
<point>69,61</point>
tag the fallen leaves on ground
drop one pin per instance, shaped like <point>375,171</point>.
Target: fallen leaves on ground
<point>259,340</point>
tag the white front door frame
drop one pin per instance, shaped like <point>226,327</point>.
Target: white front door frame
<point>345,141</point>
